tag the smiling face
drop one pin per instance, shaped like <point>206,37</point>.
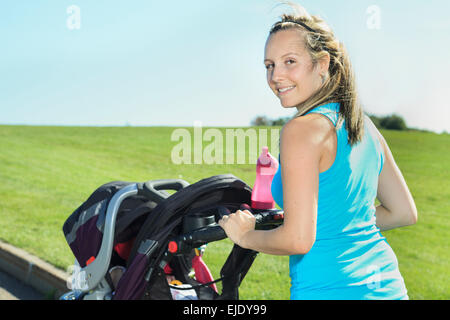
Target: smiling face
<point>291,73</point>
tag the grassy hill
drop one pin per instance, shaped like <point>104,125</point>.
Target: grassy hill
<point>47,172</point>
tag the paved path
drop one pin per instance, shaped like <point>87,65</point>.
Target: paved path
<point>12,289</point>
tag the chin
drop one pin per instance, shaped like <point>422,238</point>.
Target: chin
<point>292,103</point>
<point>287,105</point>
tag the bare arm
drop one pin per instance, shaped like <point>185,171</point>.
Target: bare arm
<point>397,207</point>
<point>301,147</point>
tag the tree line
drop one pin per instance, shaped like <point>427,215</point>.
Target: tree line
<point>390,122</point>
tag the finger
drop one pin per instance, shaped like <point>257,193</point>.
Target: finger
<point>245,206</point>
<point>248,213</point>
<point>223,220</point>
<point>238,212</point>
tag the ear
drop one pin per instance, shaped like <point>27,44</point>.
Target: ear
<point>324,63</point>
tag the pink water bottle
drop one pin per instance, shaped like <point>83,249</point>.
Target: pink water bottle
<point>266,167</point>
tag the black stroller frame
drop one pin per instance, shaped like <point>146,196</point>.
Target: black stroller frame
<point>168,237</point>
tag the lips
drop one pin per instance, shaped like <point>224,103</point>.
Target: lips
<point>284,90</point>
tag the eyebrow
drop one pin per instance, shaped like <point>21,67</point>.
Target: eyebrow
<point>284,55</point>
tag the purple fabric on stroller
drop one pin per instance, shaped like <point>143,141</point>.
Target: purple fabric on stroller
<point>131,286</point>
<point>83,250</point>
<point>84,228</point>
<point>88,226</point>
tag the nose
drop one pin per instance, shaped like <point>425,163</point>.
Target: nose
<point>277,75</point>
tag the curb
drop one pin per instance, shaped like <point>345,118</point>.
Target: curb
<point>33,271</point>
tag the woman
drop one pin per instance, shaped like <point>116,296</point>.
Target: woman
<point>333,164</point>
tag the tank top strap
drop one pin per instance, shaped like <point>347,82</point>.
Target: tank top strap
<point>330,110</point>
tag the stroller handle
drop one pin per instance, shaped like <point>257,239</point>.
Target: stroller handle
<point>265,219</point>
<point>154,189</point>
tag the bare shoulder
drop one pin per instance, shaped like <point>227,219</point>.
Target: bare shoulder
<point>313,128</point>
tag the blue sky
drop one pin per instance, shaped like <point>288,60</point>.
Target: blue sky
<point>174,62</point>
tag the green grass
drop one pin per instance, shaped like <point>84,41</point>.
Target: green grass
<point>47,172</point>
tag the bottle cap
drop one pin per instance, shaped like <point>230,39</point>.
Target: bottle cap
<point>264,158</point>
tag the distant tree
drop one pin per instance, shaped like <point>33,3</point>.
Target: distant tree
<point>265,121</point>
<point>280,121</point>
<point>393,122</point>
<point>375,120</point>
<point>260,121</point>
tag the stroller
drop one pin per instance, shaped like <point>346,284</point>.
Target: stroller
<point>129,239</point>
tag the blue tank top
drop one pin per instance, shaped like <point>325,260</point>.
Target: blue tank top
<point>350,258</point>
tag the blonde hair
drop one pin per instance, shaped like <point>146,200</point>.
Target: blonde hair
<point>340,84</point>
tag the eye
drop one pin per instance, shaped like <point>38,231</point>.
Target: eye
<point>290,61</point>
<point>269,66</point>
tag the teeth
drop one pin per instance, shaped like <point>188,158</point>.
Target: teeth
<point>285,89</point>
